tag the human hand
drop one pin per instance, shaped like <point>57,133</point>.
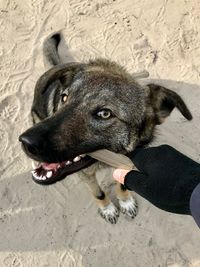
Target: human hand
<point>166,177</point>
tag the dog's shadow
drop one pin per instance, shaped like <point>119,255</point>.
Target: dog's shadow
<point>63,215</point>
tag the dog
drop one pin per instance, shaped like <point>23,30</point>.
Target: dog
<point>82,107</point>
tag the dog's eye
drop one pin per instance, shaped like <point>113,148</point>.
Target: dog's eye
<point>104,113</point>
<point>64,98</point>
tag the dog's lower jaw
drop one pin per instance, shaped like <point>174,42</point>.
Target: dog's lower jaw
<point>49,173</point>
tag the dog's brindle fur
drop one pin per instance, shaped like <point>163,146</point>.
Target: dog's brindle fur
<point>73,128</point>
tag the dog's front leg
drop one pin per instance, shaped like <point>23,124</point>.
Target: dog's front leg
<point>127,203</point>
<point>107,210</point>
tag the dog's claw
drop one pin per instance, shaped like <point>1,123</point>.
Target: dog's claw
<point>110,213</point>
<point>129,207</point>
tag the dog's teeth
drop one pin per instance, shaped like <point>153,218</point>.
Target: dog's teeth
<point>59,166</point>
<point>76,159</point>
<point>35,165</point>
<point>82,155</point>
<point>68,162</point>
<point>36,176</point>
<point>49,174</point>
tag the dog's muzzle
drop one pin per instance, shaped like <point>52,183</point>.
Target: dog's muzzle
<point>49,173</point>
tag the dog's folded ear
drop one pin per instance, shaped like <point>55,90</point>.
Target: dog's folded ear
<point>50,84</point>
<point>163,101</point>
<point>58,72</point>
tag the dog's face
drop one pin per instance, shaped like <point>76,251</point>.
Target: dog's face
<point>86,107</point>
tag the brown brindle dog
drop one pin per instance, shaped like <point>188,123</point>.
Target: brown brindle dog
<point>82,107</point>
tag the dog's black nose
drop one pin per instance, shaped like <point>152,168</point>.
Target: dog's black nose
<point>32,144</point>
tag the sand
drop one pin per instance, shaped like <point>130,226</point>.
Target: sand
<point>58,225</point>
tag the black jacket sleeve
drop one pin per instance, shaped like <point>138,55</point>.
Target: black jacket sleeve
<point>166,178</point>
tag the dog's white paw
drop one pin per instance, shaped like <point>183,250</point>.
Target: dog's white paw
<point>110,213</point>
<point>128,207</point>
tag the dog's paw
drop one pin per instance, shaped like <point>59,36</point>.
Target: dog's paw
<point>110,213</point>
<point>128,207</point>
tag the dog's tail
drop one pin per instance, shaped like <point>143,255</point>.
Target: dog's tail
<point>50,50</point>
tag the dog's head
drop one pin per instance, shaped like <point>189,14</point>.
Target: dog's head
<point>86,107</point>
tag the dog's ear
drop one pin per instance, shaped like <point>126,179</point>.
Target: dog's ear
<point>51,83</point>
<point>163,101</point>
<point>58,72</point>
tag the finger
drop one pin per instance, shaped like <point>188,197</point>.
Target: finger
<point>119,175</point>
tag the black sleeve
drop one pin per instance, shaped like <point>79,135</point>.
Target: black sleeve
<point>136,181</point>
<point>166,178</point>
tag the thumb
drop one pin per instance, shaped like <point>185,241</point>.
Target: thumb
<point>119,175</point>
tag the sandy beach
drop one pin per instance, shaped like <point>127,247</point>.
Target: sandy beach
<point>58,225</point>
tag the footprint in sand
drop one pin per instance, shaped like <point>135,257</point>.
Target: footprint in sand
<point>9,108</point>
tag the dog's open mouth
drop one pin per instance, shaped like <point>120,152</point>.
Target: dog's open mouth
<point>49,173</point>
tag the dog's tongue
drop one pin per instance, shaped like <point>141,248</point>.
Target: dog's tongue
<point>50,166</point>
